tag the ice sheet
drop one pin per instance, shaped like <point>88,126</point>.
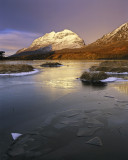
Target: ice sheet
<point>110,79</point>
<point>122,73</point>
<point>21,74</point>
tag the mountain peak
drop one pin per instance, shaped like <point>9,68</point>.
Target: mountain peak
<point>59,40</point>
<point>119,34</point>
<point>124,25</point>
<point>65,39</point>
<point>67,30</point>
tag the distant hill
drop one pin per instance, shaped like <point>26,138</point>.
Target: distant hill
<point>92,52</point>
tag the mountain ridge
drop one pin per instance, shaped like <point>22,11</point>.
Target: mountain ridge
<point>113,45</point>
<point>119,34</point>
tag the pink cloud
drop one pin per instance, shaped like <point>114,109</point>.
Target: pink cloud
<point>12,40</point>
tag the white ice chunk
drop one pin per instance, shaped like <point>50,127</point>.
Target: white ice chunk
<point>15,135</point>
<point>95,141</point>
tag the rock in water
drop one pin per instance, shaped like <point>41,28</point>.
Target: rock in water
<point>95,141</point>
<point>55,41</point>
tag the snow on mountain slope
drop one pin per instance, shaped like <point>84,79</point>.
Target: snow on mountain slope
<point>119,34</point>
<point>59,40</point>
<point>56,41</point>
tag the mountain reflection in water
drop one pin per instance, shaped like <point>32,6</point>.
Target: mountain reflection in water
<point>64,77</point>
<point>122,87</point>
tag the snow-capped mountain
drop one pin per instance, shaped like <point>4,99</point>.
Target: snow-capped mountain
<point>56,41</point>
<point>119,34</point>
<point>59,40</point>
<point>113,45</point>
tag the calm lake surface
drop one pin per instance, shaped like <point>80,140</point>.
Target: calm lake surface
<point>29,102</point>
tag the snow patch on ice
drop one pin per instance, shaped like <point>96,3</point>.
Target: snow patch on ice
<point>15,135</point>
<point>110,79</point>
<point>113,79</point>
<point>122,73</point>
<point>20,74</point>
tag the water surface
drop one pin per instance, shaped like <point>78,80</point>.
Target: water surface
<point>29,102</point>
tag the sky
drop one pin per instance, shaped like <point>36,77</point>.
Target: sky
<point>22,21</point>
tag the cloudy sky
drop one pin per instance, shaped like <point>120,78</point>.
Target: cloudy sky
<point>21,21</point>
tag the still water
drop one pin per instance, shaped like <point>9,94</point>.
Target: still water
<point>26,102</point>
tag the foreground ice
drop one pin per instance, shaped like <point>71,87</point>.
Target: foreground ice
<point>15,135</point>
<point>95,141</point>
<point>94,123</point>
<point>85,132</point>
<point>20,74</point>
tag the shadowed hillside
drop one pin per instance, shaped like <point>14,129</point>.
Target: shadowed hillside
<point>117,50</point>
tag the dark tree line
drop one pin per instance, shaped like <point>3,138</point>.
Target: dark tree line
<point>1,54</point>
